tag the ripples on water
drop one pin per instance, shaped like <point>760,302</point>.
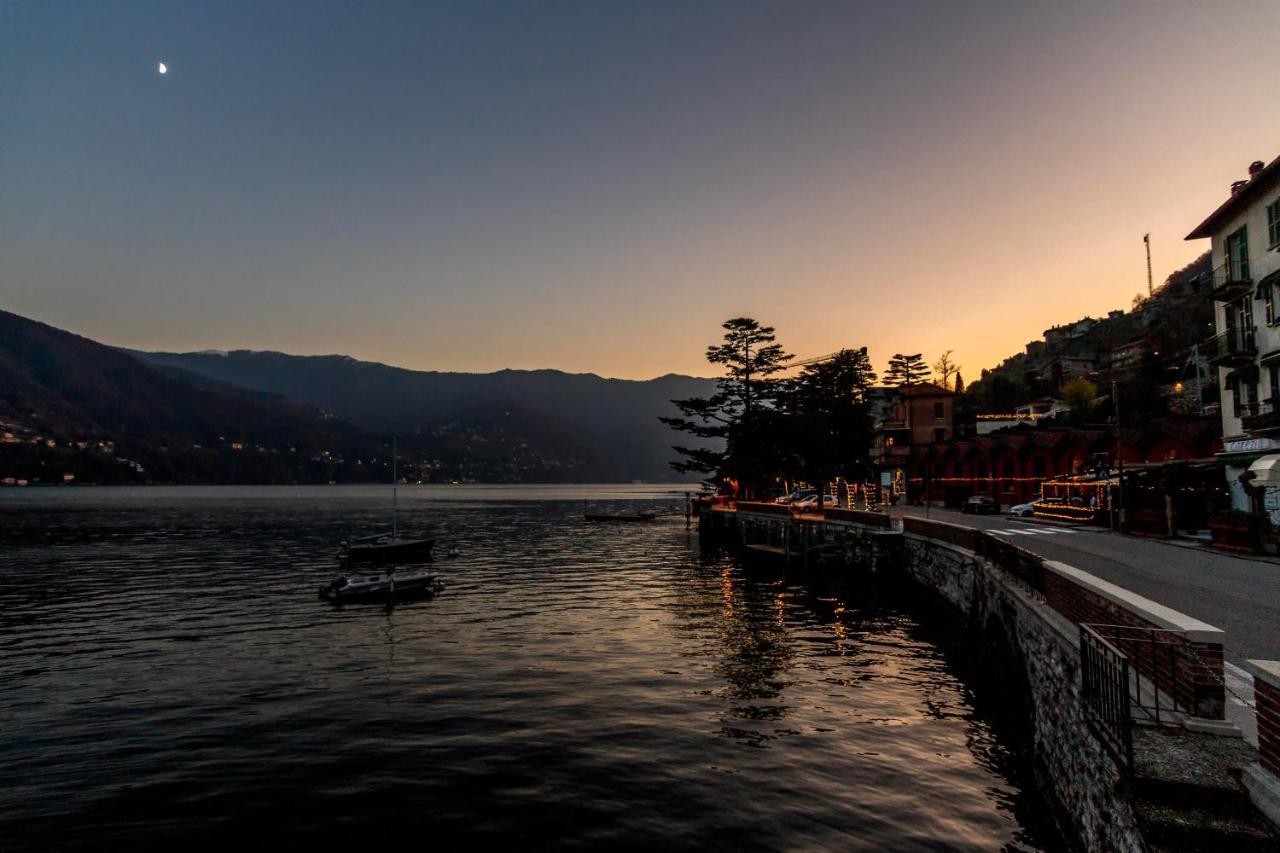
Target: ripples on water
<point>167,671</point>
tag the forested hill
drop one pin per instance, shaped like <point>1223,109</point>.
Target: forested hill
<point>72,406</point>
<point>607,428</point>
<point>1162,329</point>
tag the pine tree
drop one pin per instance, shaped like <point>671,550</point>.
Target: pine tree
<point>828,418</point>
<point>735,417</point>
<point>959,389</point>
<point>906,370</point>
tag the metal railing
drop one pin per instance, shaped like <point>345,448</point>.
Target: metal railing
<point>1237,343</point>
<point>1231,279</point>
<point>1260,416</point>
<point>1167,674</point>
<point>1105,684</point>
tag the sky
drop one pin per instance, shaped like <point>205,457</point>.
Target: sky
<point>596,186</point>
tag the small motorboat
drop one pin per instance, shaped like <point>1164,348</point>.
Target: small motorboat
<point>385,547</point>
<point>384,587</point>
<point>620,516</point>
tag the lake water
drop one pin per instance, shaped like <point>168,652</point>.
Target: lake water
<point>167,672</point>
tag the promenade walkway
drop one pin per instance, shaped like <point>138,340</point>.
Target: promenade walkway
<point>1237,594</point>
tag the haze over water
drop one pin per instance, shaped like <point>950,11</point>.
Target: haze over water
<point>168,672</point>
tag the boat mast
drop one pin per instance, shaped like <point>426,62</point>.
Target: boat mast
<point>395,483</point>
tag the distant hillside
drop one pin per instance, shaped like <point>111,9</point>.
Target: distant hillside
<point>608,427</point>
<point>1144,350</point>
<point>69,405</point>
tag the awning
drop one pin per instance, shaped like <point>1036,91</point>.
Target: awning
<point>1267,469</point>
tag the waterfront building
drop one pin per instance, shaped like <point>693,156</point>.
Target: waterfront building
<point>1244,235</point>
<point>912,417</point>
<point>1012,466</point>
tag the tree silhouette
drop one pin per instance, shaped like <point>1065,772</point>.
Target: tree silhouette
<point>906,370</point>
<point>945,368</point>
<point>740,410</point>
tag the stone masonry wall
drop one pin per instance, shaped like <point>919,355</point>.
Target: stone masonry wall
<point>1073,765</point>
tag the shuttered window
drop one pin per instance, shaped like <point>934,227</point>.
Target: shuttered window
<point>1238,254</point>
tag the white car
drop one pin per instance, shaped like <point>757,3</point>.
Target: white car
<point>812,501</point>
<point>1027,509</point>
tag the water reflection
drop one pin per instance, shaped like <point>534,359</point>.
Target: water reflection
<point>168,670</point>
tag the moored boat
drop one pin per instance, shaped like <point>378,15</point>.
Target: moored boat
<point>383,547</point>
<point>387,546</point>
<point>383,587</point>
<point>620,516</point>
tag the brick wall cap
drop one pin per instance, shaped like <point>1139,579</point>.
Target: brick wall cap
<point>1265,670</point>
<point>1146,609</point>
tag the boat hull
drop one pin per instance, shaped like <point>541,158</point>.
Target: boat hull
<point>605,518</point>
<point>410,549</point>
<point>390,586</point>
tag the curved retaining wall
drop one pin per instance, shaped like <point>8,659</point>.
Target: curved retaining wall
<point>1071,763</point>
<point>1074,769</point>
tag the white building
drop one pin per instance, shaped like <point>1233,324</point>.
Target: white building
<point>1245,235</point>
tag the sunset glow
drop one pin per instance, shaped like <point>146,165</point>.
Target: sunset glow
<point>438,187</point>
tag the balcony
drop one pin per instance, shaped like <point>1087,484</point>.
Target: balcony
<point>1263,417</point>
<point>1234,348</point>
<point>1231,281</point>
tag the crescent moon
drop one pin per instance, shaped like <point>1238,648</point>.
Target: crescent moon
<point>162,68</point>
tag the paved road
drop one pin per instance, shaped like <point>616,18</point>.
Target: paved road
<point>1240,596</point>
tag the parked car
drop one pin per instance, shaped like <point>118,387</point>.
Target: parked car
<point>812,501</point>
<point>1027,509</point>
<point>796,496</point>
<point>981,505</point>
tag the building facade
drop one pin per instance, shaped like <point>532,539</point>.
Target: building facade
<point>913,417</point>
<point>1244,235</point>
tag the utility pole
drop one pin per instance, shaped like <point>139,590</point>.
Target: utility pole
<point>1146,238</point>
<point>1115,404</point>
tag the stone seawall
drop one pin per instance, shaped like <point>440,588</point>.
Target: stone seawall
<point>1075,771</point>
<point>1073,767</point>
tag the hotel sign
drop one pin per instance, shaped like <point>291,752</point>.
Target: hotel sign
<point>1249,445</point>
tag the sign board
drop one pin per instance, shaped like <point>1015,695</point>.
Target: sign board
<point>1249,445</point>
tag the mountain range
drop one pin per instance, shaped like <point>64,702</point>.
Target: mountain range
<point>72,406</point>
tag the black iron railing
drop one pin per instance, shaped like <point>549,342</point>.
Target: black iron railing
<point>1260,416</point>
<point>1231,280</point>
<point>1234,345</point>
<point>1104,673</point>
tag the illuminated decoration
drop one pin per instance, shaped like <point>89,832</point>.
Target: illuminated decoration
<point>1030,416</point>
<point>1060,496</point>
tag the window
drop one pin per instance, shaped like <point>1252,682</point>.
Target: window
<point>1268,297</point>
<point>1238,254</point>
<point>1234,384</point>
<point>1274,372</point>
<point>1273,224</point>
<point>939,434</point>
<point>937,410</point>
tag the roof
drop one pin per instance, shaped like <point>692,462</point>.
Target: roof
<point>1246,195</point>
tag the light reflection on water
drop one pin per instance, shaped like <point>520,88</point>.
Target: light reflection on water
<point>167,669</point>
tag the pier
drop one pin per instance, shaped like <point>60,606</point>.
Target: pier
<point>1142,741</point>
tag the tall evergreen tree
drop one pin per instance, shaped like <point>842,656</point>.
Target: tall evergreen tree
<point>906,370</point>
<point>739,413</point>
<point>959,389</point>
<point>829,418</point>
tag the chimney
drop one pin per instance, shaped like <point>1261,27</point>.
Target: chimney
<point>1236,186</point>
<point>1255,167</point>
